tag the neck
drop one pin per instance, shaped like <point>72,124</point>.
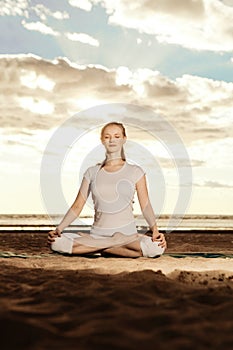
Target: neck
<point>113,160</point>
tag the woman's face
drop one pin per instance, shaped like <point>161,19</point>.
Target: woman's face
<point>113,138</point>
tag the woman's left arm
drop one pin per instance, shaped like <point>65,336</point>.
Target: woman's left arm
<point>148,212</point>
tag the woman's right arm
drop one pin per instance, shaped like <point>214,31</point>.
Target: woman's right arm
<point>73,212</point>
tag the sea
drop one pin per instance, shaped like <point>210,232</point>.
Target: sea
<point>168,223</point>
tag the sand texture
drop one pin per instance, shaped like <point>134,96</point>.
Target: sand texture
<point>51,301</point>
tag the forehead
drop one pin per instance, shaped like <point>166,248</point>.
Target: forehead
<point>112,129</point>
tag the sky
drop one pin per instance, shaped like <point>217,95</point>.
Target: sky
<point>163,67</point>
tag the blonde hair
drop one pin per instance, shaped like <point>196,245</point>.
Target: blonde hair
<point>124,134</point>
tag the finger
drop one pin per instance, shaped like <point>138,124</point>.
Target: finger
<point>159,238</point>
<point>51,237</point>
<point>51,233</point>
<point>163,244</point>
<point>54,233</point>
<point>163,240</point>
<point>58,232</point>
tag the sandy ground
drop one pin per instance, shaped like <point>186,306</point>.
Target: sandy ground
<point>52,301</point>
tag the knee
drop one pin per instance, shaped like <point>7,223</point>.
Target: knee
<point>149,248</point>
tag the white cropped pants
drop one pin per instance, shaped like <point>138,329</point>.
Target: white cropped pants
<point>64,244</point>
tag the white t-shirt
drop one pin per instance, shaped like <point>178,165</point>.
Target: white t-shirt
<point>112,194</point>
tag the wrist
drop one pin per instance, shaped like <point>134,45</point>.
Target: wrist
<point>154,228</point>
<point>58,230</point>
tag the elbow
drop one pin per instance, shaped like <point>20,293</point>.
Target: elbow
<point>75,210</point>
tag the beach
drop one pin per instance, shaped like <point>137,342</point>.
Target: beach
<point>116,117</point>
<point>53,301</point>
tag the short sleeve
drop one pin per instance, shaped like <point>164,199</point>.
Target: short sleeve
<point>138,173</point>
<point>90,173</point>
<point>86,182</point>
<point>87,175</point>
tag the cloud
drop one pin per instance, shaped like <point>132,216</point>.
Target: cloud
<point>22,8</point>
<point>82,38</point>
<point>42,12</point>
<point>228,2</point>
<point>213,184</point>
<point>39,27</point>
<point>217,153</point>
<point>37,96</point>
<point>199,25</point>
<point>205,25</point>
<point>216,184</point>
<point>14,8</point>
<point>32,80</point>
<point>198,108</point>
<point>38,106</point>
<point>85,5</point>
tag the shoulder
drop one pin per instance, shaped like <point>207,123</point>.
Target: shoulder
<point>135,167</point>
<point>91,171</point>
<point>136,171</point>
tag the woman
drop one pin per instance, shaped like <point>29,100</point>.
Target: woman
<point>112,184</point>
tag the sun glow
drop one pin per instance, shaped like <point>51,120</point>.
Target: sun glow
<point>36,106</point>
